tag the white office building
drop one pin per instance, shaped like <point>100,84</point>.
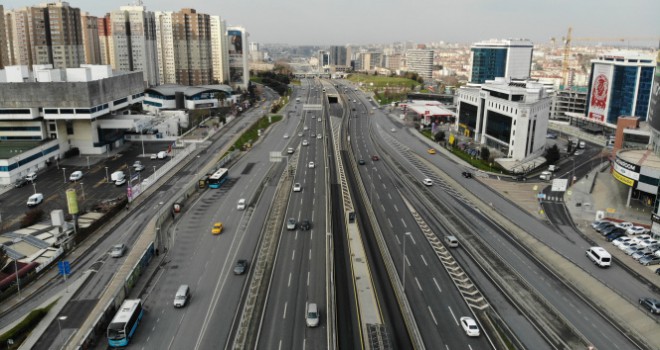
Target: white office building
<point>511,117</point>
<point>420,61</point>
<point>220,50</point>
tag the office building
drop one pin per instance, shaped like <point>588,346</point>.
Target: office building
<point>510,117</point>
<point>133,31</point>
<point>420,61</point>
<point>60,109</point>
<point>619,85</point>
<point>4,56</point>
<point>569,101</point>
<point>90,36</point>
<point>338,56</point>
<point>219,50</point>
<point>45,34</point>
<point>511,58</point>
<point>239,73</point>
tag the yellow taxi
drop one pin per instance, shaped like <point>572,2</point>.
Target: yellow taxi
<point>217,228</point>
<point>431,151</point>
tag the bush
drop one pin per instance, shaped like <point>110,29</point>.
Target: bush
<point>32,217</point>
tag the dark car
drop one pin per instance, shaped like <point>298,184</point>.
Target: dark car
<point>467,174</point>
<point>650,304</point>
<point>657,271</point>
<point>614,235</point>
<point>521,178</point>
<point>241,267</point>
<point>361,161</point>
<point>20,182</point>
<point>374,157</point>
<point>609,229</point>
<point>305,225</point>
<point>604,226</point>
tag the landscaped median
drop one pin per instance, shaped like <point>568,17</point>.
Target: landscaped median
<point>251,135</point>
<point>19,332</point>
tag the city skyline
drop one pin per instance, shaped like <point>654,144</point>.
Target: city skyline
<point>370,22</point>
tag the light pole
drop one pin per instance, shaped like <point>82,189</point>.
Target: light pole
<point>403,261</point>
<point>371,189</point>
<point>142,139</point>
<point>107,178</point>
<point>59,325</point>
<point>34,185</point>
<point>64,174</point>
<point>87,162</point>
<point>573,173</point>
<point>154,172</point>
<point>18,283</point>
<point>83,190</point>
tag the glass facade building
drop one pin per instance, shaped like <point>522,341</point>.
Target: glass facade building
<point>487,64</point>
<point>510,58</point>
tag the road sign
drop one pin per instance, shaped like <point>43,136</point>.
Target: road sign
<point>559,185</point>
<point>540,196</point>
<point>64,268</point>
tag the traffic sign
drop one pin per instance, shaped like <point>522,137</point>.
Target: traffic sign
<point>64,268</point>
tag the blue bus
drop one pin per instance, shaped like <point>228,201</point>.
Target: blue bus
<point>218,178</point>
<point>123,325</point>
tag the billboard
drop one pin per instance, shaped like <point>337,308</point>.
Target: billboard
<point>654,107</point>
<point>235,38</point>
<point>600,91</point>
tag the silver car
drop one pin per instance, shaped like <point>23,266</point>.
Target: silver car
<point>118,250</point>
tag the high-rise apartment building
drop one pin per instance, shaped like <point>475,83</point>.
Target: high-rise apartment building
<point>420,61</point>
<point>239,73</point>
<point>511,58</point>
<point>4,57</point>
<point>184,47</point>
<point>104,27</point>
<point>219,50</point>
<point>90,36</point>
<point>133,30</point>
<point>620,85</point>
<point>393,61</point>
<point>45,34</point>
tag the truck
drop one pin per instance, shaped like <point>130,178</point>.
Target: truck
<point>553,168</point>
<point>118,177</point>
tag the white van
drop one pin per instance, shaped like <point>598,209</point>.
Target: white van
<point>162,155</point>
<point>241,204</point>
<point>451,241</point>
<point>546,175</point>
<point>182,296</point>
<point>31,176</point>
<point>599,256</point>
<point>35,199</point>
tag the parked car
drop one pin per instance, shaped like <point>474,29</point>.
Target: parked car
<point>626,245</point>
<point>632,250</point>
<point>636,230</point>
<point>641,254</point>
<point>598,222</point>
<point>650,260</point>
<point>650,304</point>
<point>614,235</point>
<point>625,225</point>
<point>603,225</point>
<point>469,326</point>
<point>241,267</point>
<point>31,176</point>
<point>610,229</point>
<point>648,242</point>
<point>621,240</point>
<point>76,175</point>
<point>117,250</point>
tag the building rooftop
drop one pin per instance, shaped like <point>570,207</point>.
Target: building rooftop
<point>641,157</point>
<point>172,89</point>
<point>9,149</point>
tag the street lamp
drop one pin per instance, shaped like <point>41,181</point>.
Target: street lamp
<point>87,162</point>
<point>83,190</point>
<point>59,324</point>
<point>573,173</point>
<point>34,185</point>
<point>64,174</point>
<point>142,139</point>
<point>107,178</point>
<point>371,189</point>
<point>403,260</point>
<point>154,172</point>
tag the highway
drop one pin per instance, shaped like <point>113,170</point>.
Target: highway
<point>579,312</point>
<point>299,274</point>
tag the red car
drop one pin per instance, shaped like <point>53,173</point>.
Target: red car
<point>374,157</point>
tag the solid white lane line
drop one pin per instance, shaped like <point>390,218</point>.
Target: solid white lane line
<point>452,315</point>
<point>413,239</point>
<point>407,261</point>
<point>418,285</point>
<point>289,283</point>
<point>404,225</point>
<point>284,313</point>
<point>293,255</point>
<point>390,222</point>
<point>424,260</point>
<point>432,315</point>
<point>307,278</point>
<point>395,207</point>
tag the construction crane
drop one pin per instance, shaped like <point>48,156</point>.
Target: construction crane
<point>567,50</point>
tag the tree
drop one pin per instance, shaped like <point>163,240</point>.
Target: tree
<point>485,153</point>
<point>439,136</point>
<point>552,154</point>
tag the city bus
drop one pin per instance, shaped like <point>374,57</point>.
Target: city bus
<point>218,178</point>
<point>123,325</point>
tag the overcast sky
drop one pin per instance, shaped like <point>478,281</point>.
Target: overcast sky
<point>339,22</point>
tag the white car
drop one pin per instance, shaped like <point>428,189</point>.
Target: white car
<point>286,136</point>
<point>117,250</point>
<point>289,150</point>
<point>470,326</point>
<point>300,134</point>
<point>626,245</point>
<point>297,187</point>
<point>636,230</point>
<point>625,225</point>
<point>138,167</point>
<point>318,136</point>
<point>647,242</point>
<point>311,165</point>
<point>76,175</point>
<point>305,128</point>
<point>621,240</point>
<point>305,142</point>
<point>393,130</point>
<point>241,204</point>
<point>546,175</point>
<point>153,156</point>
<point>427,182</point>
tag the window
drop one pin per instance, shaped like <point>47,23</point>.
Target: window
<point>69,127</point>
